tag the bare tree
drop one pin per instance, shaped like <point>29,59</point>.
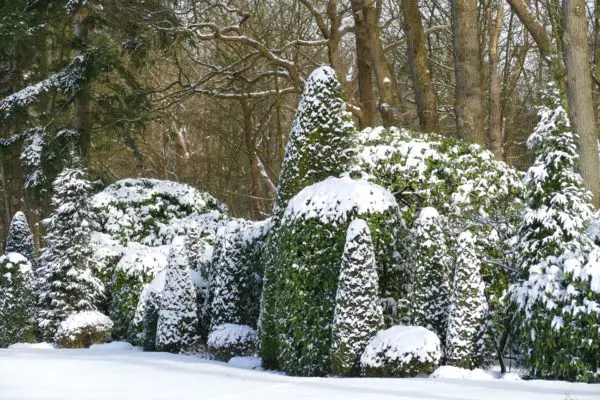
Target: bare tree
<point>469,93</point>
<point>495,131</point>
<point>416,53</point>
<point>579,93</point>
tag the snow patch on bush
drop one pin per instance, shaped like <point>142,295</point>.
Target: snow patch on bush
<point>332,199</point>
<point>401,351</point>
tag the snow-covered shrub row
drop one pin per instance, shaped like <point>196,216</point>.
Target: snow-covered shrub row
<point>357,315</point>
<point>232,340</point>
<point>401,351</point>
<point>469,189</point>
<point>83,329</point>
<point>235,277</point>
<point>559,296</point>
<point>152,212</point>
<point>17,300</point>
<point>303,258</point>
<point>321,142</point>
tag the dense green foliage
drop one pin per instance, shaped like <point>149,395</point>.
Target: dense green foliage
<point>17,300</point>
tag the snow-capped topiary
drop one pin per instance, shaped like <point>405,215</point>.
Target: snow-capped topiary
<point>152,212</point>
<point>20,239</point>
<point>467,312</point>
<point>178,316</point>
<point>83,329</point>
<point>303,260</point>
<point>559,296</point>
<point>321,141</point>
<point>67,283</point>
<point>357,316</point>
<point>401,351</point>
<point>232,340</point>
<point>17,300</point>
<point>429,261</point>
<point>235,282</point>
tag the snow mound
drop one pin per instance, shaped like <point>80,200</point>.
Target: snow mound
<point>114,346</point>
<point>403,343</point>
<point>82,324</point>
<point>332,199</point>
<point>451,372</point>
<point>250,362</point>
<point>229,334</point>
<point>37,346</point>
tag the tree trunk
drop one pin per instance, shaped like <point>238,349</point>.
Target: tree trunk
<point>82,121</point>
<point>364,67</point>
<point>418,63</point>
<point>250,140</point>
<point>579,93</point>
<point>495,134</point>
<point>469,94</point>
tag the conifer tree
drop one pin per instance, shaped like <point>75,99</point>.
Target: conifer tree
<point>429,260</point>
<point>357,315</point>
<point>67,282</point>
<point>559,294</point>
<point>177,317</point>
<point>468,308</point>
<point>17,300</point>
<point>20,239</point>
<point>322,137</point>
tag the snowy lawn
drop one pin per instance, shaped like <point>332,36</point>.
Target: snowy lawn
<point>119,372</point>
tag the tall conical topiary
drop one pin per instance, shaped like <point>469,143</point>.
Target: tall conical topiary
<point>430,263</point>
<point>177,318</point>
<point>357,316</point>
<point>66,281</point>
<point>321,140</point>
<point>17,300</point>
<point>20,239</point>
<point>468,308</point>
<point>559,296</point>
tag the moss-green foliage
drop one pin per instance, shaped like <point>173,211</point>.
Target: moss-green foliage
<point>321,143</point>
<point>17,300</point>
<point>357,315</point>
<point>398,369</point>
<point>301,279</point>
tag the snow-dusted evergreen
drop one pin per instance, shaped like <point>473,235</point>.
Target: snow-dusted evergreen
<point>232,340</point>
<point>67,282</point>
<point>429,261</point>
<point>177,317</point>
<point>20,239</point>
<point>401,351</point>
<point>559,296</point>
<point>558,206</point>
<point>17,300</point>
<point>83,329</point>
<point>321,140</point>
<point>357,316</point>
<point>467,312</point>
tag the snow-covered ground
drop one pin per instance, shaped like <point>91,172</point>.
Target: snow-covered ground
<point>118,371</point>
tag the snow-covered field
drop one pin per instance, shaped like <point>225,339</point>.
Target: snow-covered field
<point>120,372</point>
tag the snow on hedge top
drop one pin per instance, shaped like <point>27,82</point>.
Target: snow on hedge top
<point>402,344</point>
<point>332,199</point>
<point>152,211</point>
<point>77,322</point>
<point>227,335</point>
